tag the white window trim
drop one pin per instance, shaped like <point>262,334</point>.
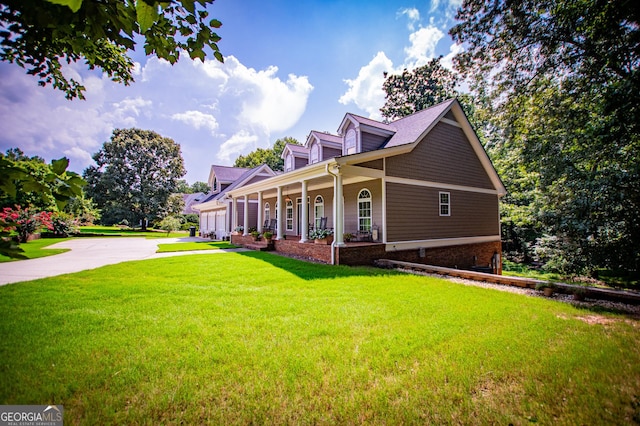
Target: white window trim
<point>267,212</point>
<point>289,215</point>
<point>315,146</point>
<point>441,204</point>
<point>370,199</point>
<point>289,162</point>
<point>316,218</point>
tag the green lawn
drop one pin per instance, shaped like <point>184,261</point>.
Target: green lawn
<point>127,232</point>
<point>256,338</point>
<point>190,246</point>
<point>37,248</point>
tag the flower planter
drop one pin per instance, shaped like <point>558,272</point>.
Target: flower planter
<point>324,241</point>
<point>548,291</point>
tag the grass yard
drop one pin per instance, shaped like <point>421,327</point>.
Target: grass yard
<point>256,338</point>
<point>195,245</point>
<point>128,232</point>
<point>37,248</point>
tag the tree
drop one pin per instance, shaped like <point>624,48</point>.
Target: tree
<point>200,187</point>
<point>563,82</point>
<point>83,209</point>
<point>175,205</point>
<point>136,172</point>
<point>40,35</point>
<point>413,91</point>
<point>170,224</point>
<point>29,181</point>
<point>270,157</point>
<point>184,188</point>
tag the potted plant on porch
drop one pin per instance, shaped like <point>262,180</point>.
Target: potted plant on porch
<point>322,236</point>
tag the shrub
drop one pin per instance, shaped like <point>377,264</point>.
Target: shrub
<point>169,223</point>
<point>24,221</point>
<point>63,224</point>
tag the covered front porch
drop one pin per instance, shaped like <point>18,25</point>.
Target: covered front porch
<point>323,196</point>
<point>349,253</point>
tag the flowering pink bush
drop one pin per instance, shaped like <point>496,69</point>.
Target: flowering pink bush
<point>24,221</point>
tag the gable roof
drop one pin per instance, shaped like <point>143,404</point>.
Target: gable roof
<point>243,176</point>
<point>191,199</point>
<point>411,128</point>
<point>325,139</point>
<point>296,150</point>
<point>225,174</point>
<point>367,122</point>
<point>406,133</point>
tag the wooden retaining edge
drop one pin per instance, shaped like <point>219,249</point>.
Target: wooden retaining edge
<point>460,273</point>
<point>588,292</point>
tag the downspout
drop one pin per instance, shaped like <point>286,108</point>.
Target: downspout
<point>335,182</point>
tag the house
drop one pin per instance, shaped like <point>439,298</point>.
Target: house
<point>419,189</point>
<point>217,208</point>
<point>190,200</point>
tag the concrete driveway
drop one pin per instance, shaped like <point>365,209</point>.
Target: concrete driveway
<point>89,253</point>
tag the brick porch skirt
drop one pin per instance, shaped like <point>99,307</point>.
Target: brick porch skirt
<point>465,256</point>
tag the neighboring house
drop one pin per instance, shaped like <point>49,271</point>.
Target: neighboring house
<point>190,200</point>
<point>216,209</point>
<point>420,188</point>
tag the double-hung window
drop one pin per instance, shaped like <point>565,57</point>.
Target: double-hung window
<point>445,203</point>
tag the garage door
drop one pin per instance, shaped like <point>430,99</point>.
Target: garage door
<point>221,225</point>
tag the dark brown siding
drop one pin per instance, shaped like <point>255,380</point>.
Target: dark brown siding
<point>450,116</point>
<point>372,142</point>
<point>351,204</point>
<point>300,162</point>
<point>446,156</point>
<point>328,153</point>
<point>375,164</point>
<point>413,214</point>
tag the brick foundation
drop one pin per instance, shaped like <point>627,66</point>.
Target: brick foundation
<point>464,256</point>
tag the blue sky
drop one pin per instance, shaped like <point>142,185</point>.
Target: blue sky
<point>290,67</point>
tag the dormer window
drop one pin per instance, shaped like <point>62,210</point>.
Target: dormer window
<point>350,142</point>
<point>288,163</point>
<point>313,156</point>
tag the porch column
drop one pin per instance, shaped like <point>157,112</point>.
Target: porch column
<point>280,234</point>
<point>259,212</point>
<point>338,200</point>
<point>305,214</point>
<point>234,214</point>
<point>245,223</point>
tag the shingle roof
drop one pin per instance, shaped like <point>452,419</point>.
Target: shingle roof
<point>371,122</point>
<point>297,149</point>
<point>324,136</point>
<point>227,174</point>
<point>408,129</point>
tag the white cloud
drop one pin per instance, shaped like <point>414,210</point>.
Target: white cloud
<point>413,14</point>
<point>366,89</point>
<point>195,103</point>
<point>241,142</point>
<point>423,46</point>
<point>447,61</point>
<point>267,101</point>
<point>197,119</point>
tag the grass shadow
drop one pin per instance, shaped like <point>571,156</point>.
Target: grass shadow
<point>307,270</point>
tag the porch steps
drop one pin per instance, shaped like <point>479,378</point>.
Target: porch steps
<point>258,246</point>
<point>588,292</point>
